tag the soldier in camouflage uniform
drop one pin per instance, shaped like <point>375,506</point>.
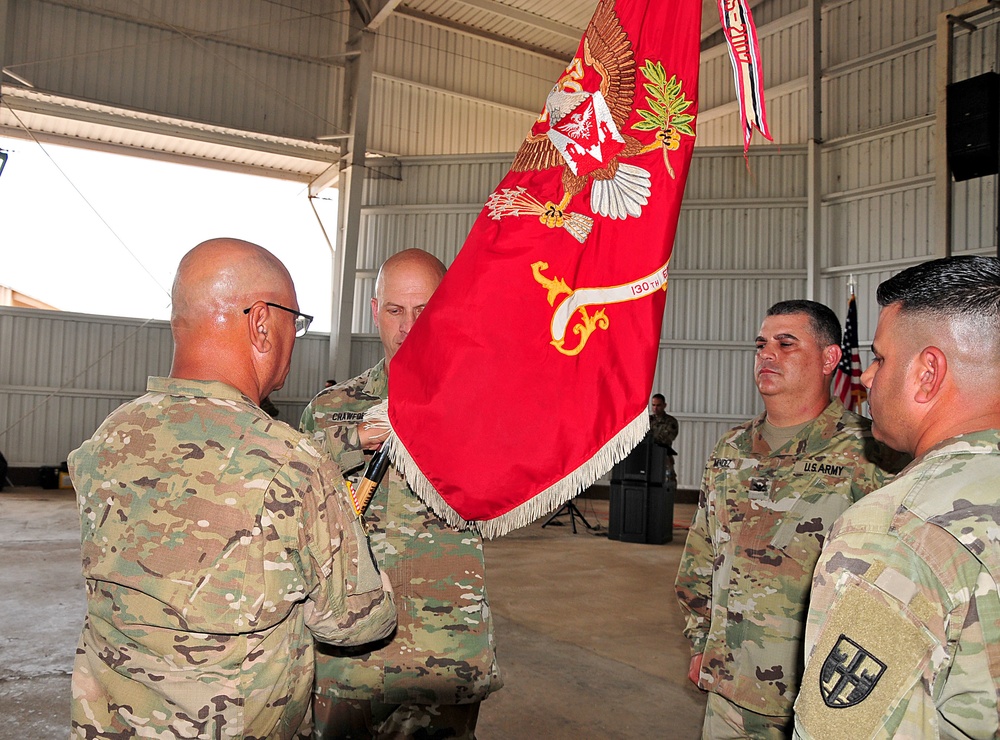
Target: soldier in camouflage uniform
<point>663,428</point>
<point>903,633</point>
<point>771,490</point>
<point>215,541</point>
<point>429,678</point>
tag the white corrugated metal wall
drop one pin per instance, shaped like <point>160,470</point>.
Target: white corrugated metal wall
<point>878,163</point>
<point>62,373</point>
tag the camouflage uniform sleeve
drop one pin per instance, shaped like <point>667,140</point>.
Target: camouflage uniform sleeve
<point>868,477</point>
<point>694,576</point>
<point>307,424</point>
<point>881,641</point>
<point>344,445</point>
<point>350,602</point>
<point>342,441</point>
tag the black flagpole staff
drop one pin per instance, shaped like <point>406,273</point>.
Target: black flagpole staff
<point>372,477</point>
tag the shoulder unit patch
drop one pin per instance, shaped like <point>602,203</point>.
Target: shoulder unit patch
<point>849,674</point>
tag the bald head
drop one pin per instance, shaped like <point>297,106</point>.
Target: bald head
<point>404,285</point>
<point>222,324</point>
<point>409,264</point>
<point>220,277</point>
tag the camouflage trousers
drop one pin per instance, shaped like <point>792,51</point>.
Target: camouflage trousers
<point>356,719</point>
<point>727,721</point>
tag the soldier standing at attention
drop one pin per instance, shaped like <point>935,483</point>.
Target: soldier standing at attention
<point>216,542</point>
<point>429,678</point>
<point>903,634</point>
<point>771,490</point>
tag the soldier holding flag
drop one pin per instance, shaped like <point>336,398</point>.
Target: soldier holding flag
<point>431,675</point>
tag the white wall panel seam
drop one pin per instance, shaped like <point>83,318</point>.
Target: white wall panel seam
<point>770,93</point>
<point>926,41</point>
<point>444,159</point>
<point>702,203</point>
<point>432,208</point>
<point>847,140</point>
<point>762,152</point>
<point>879,189</point>
<point>895,265</point>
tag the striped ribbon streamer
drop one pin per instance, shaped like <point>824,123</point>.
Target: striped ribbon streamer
<point>744,53</point>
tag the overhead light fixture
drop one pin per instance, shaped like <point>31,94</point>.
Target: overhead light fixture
<point>3,160</point>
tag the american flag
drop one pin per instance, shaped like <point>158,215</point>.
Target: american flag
<point>847,378</point>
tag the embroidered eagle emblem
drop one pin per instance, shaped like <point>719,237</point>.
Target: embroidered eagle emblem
<point>582,131</point>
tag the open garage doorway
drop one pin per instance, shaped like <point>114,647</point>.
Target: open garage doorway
<point>101,233</point>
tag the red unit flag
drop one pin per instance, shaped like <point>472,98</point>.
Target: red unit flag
<point>527,376</point>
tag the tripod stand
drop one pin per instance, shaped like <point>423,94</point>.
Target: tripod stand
<point>568,508</point>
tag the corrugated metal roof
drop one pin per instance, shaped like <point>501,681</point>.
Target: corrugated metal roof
<point>556,25</point>
<point>50,117</point>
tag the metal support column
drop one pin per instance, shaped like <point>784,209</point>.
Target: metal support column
<point>5,30</point>
<point>358,88</point>
<point>942,172</point>
<point>814,175</point>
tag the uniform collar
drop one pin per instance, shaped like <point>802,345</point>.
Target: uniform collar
<point>195,389</point>
<point>975,443</point>
<point>826,425</point>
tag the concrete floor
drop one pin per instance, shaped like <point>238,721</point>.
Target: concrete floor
<point>588,632</point>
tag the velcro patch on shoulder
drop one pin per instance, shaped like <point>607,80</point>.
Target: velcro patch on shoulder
<point>869,656</point>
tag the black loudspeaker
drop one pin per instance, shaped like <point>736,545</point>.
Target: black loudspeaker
<point>639,512</point>
<point>973,126</point>
<point>641,506</point>
<point>645,463</point>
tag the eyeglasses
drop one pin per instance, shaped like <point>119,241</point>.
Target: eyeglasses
<point>302,320</point>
